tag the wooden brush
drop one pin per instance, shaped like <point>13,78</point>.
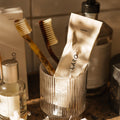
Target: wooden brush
<point>24,29</point>
<point>49,36</point>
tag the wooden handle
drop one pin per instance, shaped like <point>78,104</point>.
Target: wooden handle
<point>41,57</point>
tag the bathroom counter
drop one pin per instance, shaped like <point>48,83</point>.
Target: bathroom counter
<point>97,108</point>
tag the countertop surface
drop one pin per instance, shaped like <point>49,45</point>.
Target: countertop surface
<point>97,107</point>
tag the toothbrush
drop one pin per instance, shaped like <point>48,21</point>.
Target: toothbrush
<point>24,29</point>
<point>49,36</point>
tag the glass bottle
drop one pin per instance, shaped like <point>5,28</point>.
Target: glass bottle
<point>12,92</point>
<point>98,71</point>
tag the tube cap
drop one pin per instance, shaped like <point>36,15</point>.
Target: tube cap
<point>90,6</point>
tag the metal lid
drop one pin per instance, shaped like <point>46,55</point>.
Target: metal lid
<point>10,70</point>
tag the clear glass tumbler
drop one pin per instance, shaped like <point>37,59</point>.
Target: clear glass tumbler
<point>62,97</point>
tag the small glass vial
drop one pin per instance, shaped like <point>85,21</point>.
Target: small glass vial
<point>98,71</point>
<point>12,92</point>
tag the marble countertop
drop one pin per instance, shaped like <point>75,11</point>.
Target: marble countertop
<point>97,107</point>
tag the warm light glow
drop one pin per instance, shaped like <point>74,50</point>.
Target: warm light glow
<point>83,119</point>
<point>16,116</point>
<point>47,118</point>
<point>4,88</point>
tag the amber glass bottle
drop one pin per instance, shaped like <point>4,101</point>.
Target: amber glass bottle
<point>98,71</point>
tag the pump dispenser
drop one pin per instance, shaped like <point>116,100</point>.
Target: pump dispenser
<point>90,8</point>
<point>98,71</point>
<point>12,91</point>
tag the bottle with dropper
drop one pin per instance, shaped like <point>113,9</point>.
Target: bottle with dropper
<point>12,91</point>
<point>98,71</point>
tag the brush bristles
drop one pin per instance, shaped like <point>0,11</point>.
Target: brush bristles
<point>23,27</point>
<point>51,38</point>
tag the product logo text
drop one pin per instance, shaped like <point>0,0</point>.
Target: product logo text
<point>73,63</point>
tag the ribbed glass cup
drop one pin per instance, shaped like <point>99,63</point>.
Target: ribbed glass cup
<point>62,97</point>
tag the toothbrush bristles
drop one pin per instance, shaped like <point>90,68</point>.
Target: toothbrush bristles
<point>24,29</point>
<point>51,38</point>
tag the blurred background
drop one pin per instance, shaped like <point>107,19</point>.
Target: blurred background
<point>59,11</point>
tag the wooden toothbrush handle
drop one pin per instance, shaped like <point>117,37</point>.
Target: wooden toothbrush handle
<point>41,57</point>
<point>52,54</point>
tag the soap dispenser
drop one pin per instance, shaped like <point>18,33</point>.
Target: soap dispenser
<point>98,71</point>
<point>12,91</point>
